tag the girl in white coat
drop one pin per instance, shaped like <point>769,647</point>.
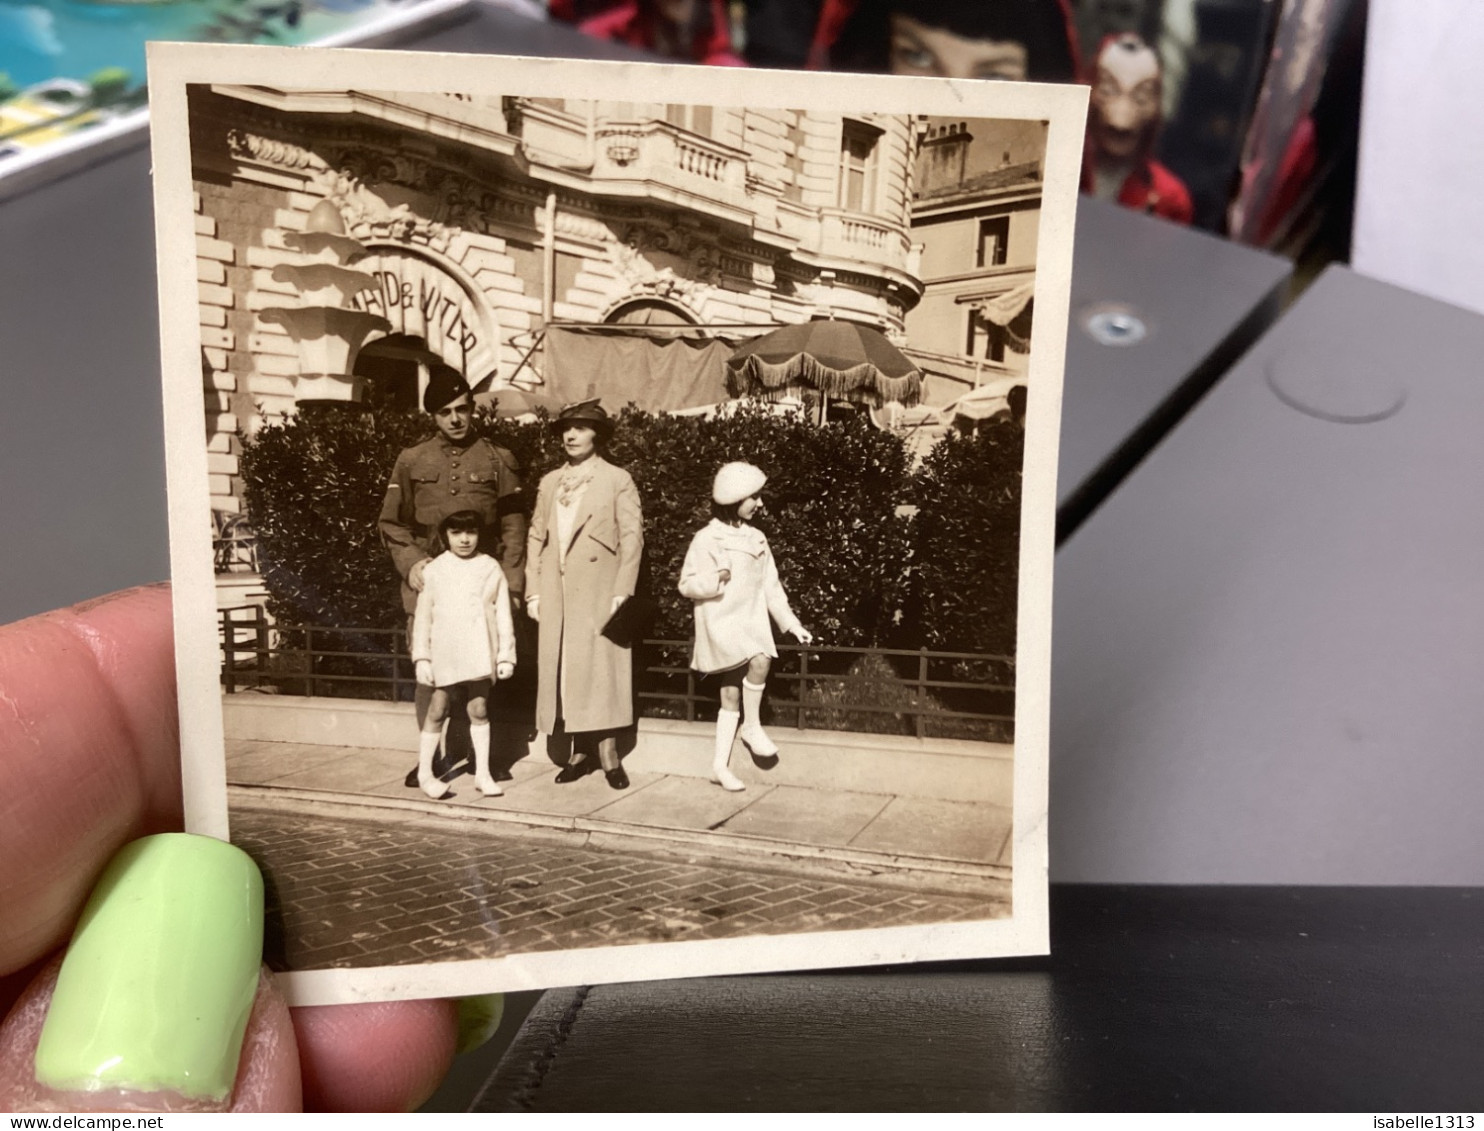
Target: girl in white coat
<point>462,633</point>
<point>730,574</point>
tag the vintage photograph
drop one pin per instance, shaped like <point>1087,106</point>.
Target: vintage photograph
<point>612,508</point>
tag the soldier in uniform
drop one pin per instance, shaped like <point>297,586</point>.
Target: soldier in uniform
<point>456,470</point>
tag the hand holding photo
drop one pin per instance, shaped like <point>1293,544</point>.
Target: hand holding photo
<point>612,508</point>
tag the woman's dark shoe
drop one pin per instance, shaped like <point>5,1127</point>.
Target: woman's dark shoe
<point>572,771</point>
<point>617,778</point>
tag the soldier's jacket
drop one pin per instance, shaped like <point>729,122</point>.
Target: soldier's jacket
<point>434,479</point>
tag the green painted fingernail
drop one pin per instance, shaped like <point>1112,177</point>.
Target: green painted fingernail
<point>479,1017</point>
<point>160,977</point>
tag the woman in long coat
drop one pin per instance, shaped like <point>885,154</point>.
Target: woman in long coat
<point>582,563</point>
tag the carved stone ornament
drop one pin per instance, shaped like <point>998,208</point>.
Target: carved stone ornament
<point>582,227</point>
<point>245,146</point>
<point>702,259</point>
<point>368,217</point>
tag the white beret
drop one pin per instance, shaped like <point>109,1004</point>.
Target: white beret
<point>737,481</point>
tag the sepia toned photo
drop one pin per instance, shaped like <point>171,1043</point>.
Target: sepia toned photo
<point>612,508</point>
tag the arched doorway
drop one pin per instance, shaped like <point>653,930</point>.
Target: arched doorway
<point>436,313</point>
<point>395,369</point>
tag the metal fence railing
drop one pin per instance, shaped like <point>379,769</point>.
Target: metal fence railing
<point>880,690</point>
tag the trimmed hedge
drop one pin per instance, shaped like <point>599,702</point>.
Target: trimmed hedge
<point>831,516</point>
<point>312,486</point>
<point>966,535</point>
<point>857,571</point>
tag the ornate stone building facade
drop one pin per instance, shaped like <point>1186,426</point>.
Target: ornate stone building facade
<point>346,239</point>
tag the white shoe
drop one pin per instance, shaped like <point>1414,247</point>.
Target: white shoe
<point>428,781</point>
<point>757,740</point>
<point>721,774</point>
<point>727,780</point>
<point>479,737</point>
<point>753,734</point>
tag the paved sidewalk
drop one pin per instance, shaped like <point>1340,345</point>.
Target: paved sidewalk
<point>355,893</point>
<point>919,842</point>
<point>367,872</point>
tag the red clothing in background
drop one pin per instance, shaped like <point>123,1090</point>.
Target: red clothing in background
<point>1156,190</point>
<point>632,23</point>
<point>571,11</point>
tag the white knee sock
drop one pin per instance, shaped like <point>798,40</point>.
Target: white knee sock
<point>479,735</point>
<point>752,724</point>
<point>427,746</point>
<point>726,731</point>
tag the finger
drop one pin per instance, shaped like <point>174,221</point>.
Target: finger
<point>154,1006</point>
<point>267,1075</point>
<point>13,985</point>
<point>88,703</point>
<point>379,1056</point>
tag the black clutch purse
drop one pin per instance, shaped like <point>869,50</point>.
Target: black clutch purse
<point>627,626</point>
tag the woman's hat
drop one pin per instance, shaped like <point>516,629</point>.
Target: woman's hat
<point>737,481</point>
<point>590,413</point>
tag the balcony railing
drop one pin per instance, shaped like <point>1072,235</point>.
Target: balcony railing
<point>856,235</point>
<point>662,153</point>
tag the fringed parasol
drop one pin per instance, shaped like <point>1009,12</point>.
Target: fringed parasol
<point>841,359</point>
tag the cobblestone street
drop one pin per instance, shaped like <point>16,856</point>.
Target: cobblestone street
<point>353,892</point>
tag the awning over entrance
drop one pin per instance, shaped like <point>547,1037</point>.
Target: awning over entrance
<point>1009,314</point>
<point>659,372</point>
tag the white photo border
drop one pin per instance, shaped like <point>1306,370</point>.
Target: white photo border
<point>173,67</point>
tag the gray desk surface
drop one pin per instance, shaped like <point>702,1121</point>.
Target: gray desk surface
<point>1201,300</point>
<point>1269,638</point>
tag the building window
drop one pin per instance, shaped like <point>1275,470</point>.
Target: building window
<point>858,166</point>
<point>986,340</point>
<point>994,241</point>
<point>650,312</point>
<point>793,160</point>
<point>696,119</point>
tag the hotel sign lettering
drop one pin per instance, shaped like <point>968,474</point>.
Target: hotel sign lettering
<point>422,301</point>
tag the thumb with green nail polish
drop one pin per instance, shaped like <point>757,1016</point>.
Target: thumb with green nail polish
<point>161,975</point>
<point>151,1008</point>
<point>160,1004</point>
<point>145,1014</point>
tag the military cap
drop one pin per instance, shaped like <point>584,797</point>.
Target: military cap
<point>445,385</point>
